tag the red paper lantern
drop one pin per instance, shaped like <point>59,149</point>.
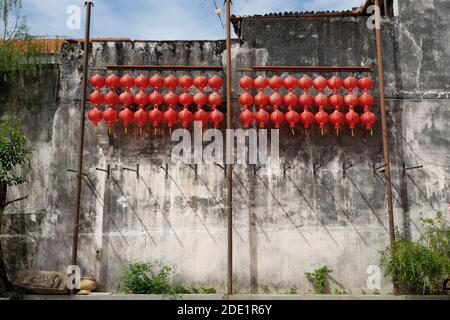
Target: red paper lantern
<point>215,100</point>
<point>368,118</point>
<point>260,83</point>
<point>126,99</point>
<point>112,81</point>
<point>365,83</point>
<point>350,83</point>
<point>186,82</point>
<point>127,82</point>
<point>96,98</point>
<point>321,100</point>
<point>95,116</point>
<point>292,118</point>
<point>215,82</point>
<point>306,100</point>
<point>141,117</point>
<point>276,83</point>
<point>157,82</point>
<point>335,83</point>
<point>352,119</point>
<point>97,81</point>
<point>247,117</point>
<point>186,117</point>
<point>306,117</point>
<point>110,116</point>
<point>322,119</point>
<point>277,117</point>
<point>141,82</point>
<point>141,99</point>
<point>290,83</point>
<point>171,82</point>
<point>111,98</point>
<point>246,83</point>
<point>305,83</point>
<point>336,119</point>
<point>216,118</point>
<point>201,82</point>
<point>320,83</point>
<point>125,116</point>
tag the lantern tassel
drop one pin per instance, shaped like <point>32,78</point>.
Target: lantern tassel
<point>321,130</point>
<point>371,132</point>
<point>140,131</point>
<point>337,131</point>
<point>293,132</point>
<point>126,130</point>
<point>109,129</point>
<point>353,132</point>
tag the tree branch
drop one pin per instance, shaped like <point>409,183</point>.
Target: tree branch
<point>16,200</point>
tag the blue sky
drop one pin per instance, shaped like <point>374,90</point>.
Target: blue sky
<point>156,19</point>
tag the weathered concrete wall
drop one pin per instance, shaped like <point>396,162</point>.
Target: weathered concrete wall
<point>286,223</point>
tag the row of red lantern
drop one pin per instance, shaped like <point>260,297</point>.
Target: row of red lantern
<point>307,118</point>
<point>156,99</point>
<point>157,82</point>
<point>292,117</point>
<point>305,83</point>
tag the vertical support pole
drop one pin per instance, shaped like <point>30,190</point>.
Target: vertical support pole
<point>384,125</point>
<point>229,165</point>
<point>76,224</point>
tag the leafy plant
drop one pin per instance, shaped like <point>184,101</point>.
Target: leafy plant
<point>293,290</point>
<point>319,279</point>
<point>341,291</point>
<point>14,162</point>
<point>153,278</point>
<point>420,267</point>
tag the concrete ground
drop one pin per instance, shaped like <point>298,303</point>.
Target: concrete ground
<point>111,296</point>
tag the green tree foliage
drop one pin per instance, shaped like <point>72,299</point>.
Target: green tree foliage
<point>18,50</point>
<point>420,267</point>
<point>14,162</point>
<point>14,153</point>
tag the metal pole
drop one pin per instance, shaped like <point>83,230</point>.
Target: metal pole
<point>76,224</point>
<point>387,171</point>
<point>229,165</point>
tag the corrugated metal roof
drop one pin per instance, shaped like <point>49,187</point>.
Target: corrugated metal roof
<point>299,14</point>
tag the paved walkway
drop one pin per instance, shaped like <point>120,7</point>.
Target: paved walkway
<point>110,296</point>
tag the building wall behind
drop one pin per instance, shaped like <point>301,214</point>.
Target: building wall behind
<point>286,223</point>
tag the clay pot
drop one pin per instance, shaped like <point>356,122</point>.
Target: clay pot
<point>87,285</point>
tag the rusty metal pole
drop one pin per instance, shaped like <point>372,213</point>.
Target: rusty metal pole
<point>88,5</point>
<point>384,125</point>
<point>229,165</point>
